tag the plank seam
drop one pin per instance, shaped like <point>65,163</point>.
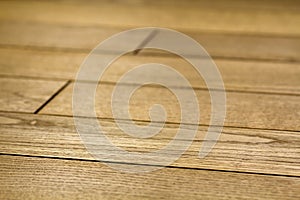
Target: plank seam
<point>175,123</point>
<point>149,85</point>
<point>125,163</point>
<point>169,123</point>
<point>139,48</point>
<point>126,27</point>
<point>145,41</point>
<point>52,97</point>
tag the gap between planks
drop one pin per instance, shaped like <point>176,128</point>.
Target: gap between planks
<point>243,109</point>
<point>83,40</point>
<point>237,75</point>
<point>238,149</point>
<point>73,179</point>
<point>52,97</point>
<point>168,166</point>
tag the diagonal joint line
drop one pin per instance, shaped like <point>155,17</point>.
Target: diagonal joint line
<point>52,97</point>
<point>145,41</point>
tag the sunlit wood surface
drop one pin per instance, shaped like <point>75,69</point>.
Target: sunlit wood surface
<point>256,46</point>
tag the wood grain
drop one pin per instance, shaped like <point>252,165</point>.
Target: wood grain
<point>57,37</point>
<point>248,47</point>
<point>237,75</point>
<point>24,95</point>
<point>244,150</point>
<point>264,111</point>
<point>256,46</point>
<point>40,63</point>
<point>36,178</point>
<point>189,16</point>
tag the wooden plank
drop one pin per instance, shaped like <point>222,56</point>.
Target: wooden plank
<point>264,111</point>
<point>58,37</point>
<point>36,178</point>
<point>55,36</point>
<point>24,95</point>
<point>256,4</point>
<point>186,16</point>
<point>40,63</point>
<point>42,156</point>
<point>260,151</point>
<point>237,75</point>
<point>249,47</point>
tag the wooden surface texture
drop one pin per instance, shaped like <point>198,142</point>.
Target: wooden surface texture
<point>256,46</point>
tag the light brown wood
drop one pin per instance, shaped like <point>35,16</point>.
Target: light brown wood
<point>40,63</point>
<point>237,75</point>
<point>264,111</point>
<point>36,178</point>
<point>55,37</point>
<point>248,47</point>
<point>244,150</point>
<point>25,95</point>
<point>256,46</point>
<point>256,4</point>
<point>74,38</point>
<point>186,16</point>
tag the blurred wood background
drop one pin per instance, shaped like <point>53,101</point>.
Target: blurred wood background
<point>256,46</point>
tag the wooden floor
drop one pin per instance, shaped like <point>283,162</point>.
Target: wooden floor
<point>256,46</point>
